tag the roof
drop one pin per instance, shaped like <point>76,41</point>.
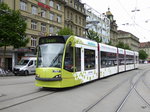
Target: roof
<point>127,34</point>
<point>145,45</point>
<point>123,32</point>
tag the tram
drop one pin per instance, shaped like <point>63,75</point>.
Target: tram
<point>67,61</point>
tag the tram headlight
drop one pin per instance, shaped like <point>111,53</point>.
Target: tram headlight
<point>57,76</point>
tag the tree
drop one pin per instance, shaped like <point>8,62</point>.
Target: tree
<point>143,55</point>
<point>94,36</point>
<point>110,43</point>
<point>65,31</point>
<point>123,45</point>
<point>12,29</point>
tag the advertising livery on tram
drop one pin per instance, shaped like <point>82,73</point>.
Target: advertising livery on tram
<point>67,61</point>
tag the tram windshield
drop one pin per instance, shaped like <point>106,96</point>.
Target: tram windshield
<point>50,55</point>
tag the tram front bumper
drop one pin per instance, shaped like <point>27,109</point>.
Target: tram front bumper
<point>48,79</point>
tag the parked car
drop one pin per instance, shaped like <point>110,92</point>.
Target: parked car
<point>25,66</point>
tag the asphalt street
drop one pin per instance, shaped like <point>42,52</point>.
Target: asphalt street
<point>124,92</point>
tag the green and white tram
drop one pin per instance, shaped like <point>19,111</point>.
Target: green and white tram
<point>66,61</point>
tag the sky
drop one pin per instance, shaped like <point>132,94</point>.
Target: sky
<point>131,15</point>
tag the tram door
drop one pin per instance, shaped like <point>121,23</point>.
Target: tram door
<point>89,63</point>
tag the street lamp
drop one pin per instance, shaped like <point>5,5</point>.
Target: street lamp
<point>135,10</point>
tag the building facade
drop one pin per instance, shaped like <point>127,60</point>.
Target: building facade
<point>129,39</point>
<point>146,47</point>
<point>98,23</point>
<point>43,18</point>
<point>75,17</point>
<point>113,28</point>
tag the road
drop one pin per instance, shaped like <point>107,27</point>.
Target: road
<point>124,92</point>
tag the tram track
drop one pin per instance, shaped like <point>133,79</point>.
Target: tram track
<point>12,84</point>
<point>144,82</point>
<point>11,102</point>
<point>8,99</point>
<point>146,85</point>
<point>132,85</point>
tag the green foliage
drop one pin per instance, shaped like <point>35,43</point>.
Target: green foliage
<point>94,36</point>
<point>65,31</point>
<point>110,43</point>
<point>12,27</point>
<point>143,55</point>
<point>122,45</point>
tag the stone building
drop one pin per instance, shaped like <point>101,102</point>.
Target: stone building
<point>113,28</point>
<point>146,47</point>
<point>129,39</point>
<point>43,18</point>
<point>75,17</point>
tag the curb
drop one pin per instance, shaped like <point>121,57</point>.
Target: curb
<point>7,74</point>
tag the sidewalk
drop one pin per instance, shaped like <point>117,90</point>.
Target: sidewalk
<point>5,73</point>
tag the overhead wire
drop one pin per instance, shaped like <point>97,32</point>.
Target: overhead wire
<point>133,19</point>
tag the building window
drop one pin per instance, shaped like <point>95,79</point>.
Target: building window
<point>58,6</point>
<point>43,27</point>
<point>80,20</point>
<point>51,16</point>
<point>33,25</point>
<point>71,16</point>
<point>70,2</point>
<point>68,15</point>
<point>43,1</point>
<point>80,31</point>
<point>33,41</point>
<point>76,30</point>
<point>83,22</point>
<point>34,10</point>
<point>75,6</point>
<point>57,29</point>
<point>43,13</point>
<point>51,29</point>
<point>76,19</point>
<point>1,1</point>
<point>23,5</point>
<point>51,3</point>
<point>59,19</point>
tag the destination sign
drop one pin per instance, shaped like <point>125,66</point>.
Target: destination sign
<point>51,39</point>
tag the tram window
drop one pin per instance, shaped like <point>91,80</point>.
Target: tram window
<point>108,59</point>
<point>78,59</point>
<point>68,62</point>
<point>129,59</point>
<point>89,59</point>
<point>136,59</point>
<point>103,59</point>
<point>121,59</point>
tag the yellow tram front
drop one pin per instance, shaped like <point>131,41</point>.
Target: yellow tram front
<point>66,61</point>
<point>55,62</point>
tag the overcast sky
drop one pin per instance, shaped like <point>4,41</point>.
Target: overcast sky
<point>134,22</point>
